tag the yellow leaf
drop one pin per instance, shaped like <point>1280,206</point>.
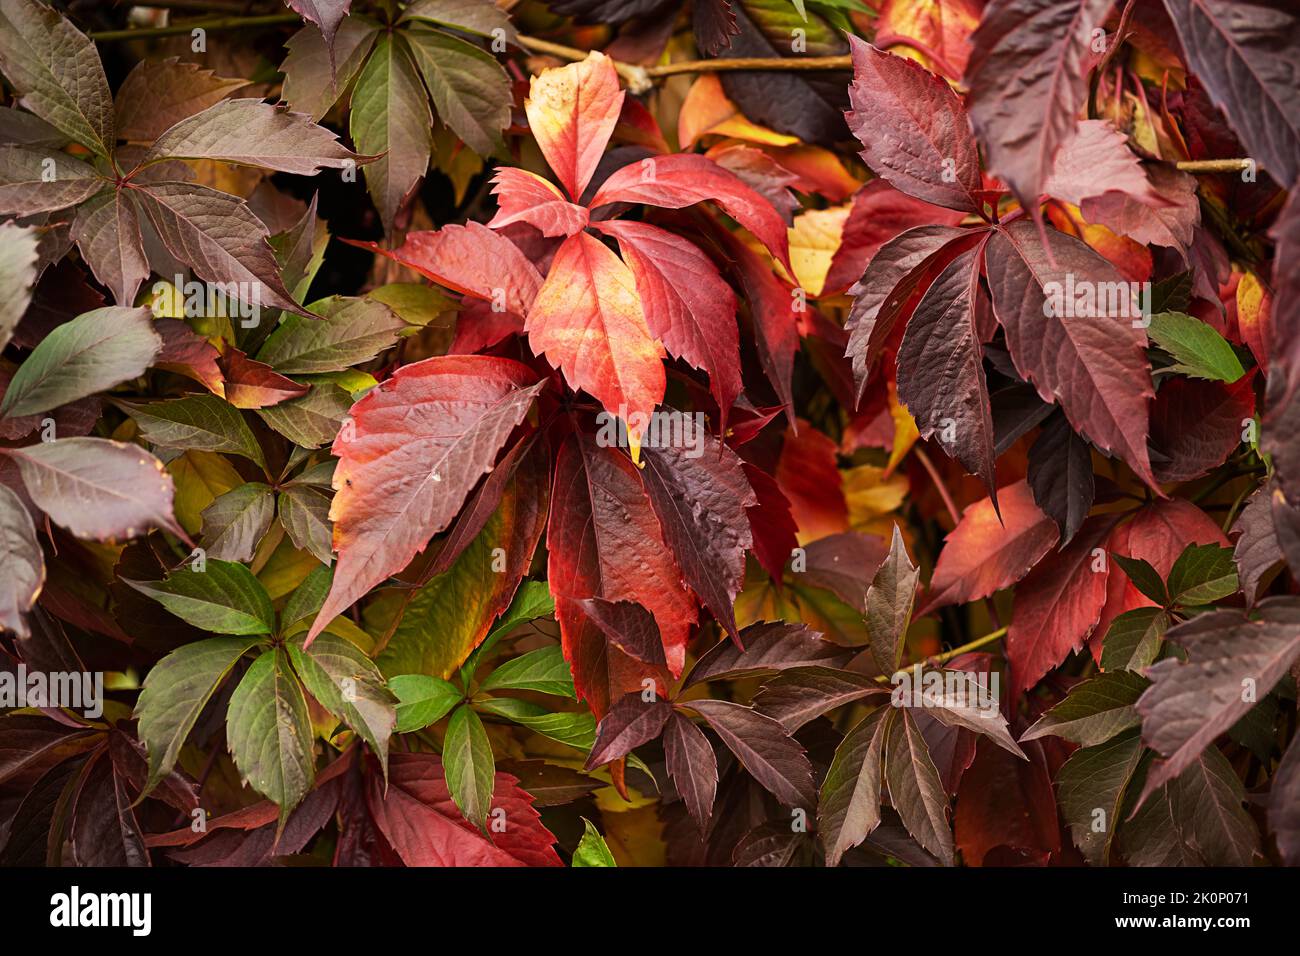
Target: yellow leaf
<point>905,430</point>
<point>199,476</point>
<point>814,240</point>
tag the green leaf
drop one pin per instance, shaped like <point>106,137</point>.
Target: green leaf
<point>306,600</point>
<point>349,332</point>
<point>544,670</point>
<point>56,71</point>
<point>1095,779</point>
<point>1198,350</point>
<point>314,419</point>
<point>1203,573</point>
<point>197,423</point>
<point>467,760</point>
<point>93,353</point>
<point>348,684</point>
<point>269,732</point>
<point>390,115</point>
<point>469,88</point>
<point>300,250</point>
<point>316,76</point>
<point>175,692</point>
<point>575,729</point>
<point>915,789</point>
<point>422,700</point>
<point>233,525</point>
<point>889,605</point>
<point>1095,710</point>
<point>591,849</point>
<point>223,598</point>
<point>304,512</point>
<point>1144,577</point>
<point>416,304</point>
<point>531,601</point>
<point>1133,641</point>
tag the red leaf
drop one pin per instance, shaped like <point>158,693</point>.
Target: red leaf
<point>526,197</point>
<point>772,757</point>
<point>418,817</point>
<point>879,213</point>
<point>913,128</point>
<point>1057,606</point>
<point>810,480</point>
<point>1095,160</point>
<point>1027,80</point>
<point>572,111</point>
<point>252,384</point>
<point>604,541</point>
<point>421,441</point>
<point>1195,425</point>
<point>630,628</point>
<point>941,372</point>
<point>587,321</point>
<point>187,353</point>
<point>894,282</point>
<point>693,767</point>
<point>471,259</point>
<point>700,495</point>
<point>1093,365</point>
<point>982,555</point>
<point>630,723</point>
<point>687,304</point>
<point>775,309</point>
<point>1005,802</point>
<point>774,532</point>
<point>684,179</point>
<point>1244,53</point>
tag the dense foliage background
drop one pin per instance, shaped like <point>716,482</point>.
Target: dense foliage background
<point>967,530</point>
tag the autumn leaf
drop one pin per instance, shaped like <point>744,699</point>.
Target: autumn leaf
<point>1073,360</point>
<point>422,439</point>
<point>896,101</point>
<point>588,321</point>
<point>1027,80</point>
<point>984,554</point>
<point>571,113</point>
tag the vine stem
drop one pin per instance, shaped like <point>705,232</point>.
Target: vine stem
<point>946,656</point>
<point>966,648</point>
<point>179,29</point>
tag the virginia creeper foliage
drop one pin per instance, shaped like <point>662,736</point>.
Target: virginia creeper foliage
<point>459,433</point>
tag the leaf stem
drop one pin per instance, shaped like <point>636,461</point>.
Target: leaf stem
<point>938,483</point>
<point>180,29</point>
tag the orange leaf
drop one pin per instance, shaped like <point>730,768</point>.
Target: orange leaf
<point>587,321</point>
<point>572,112</point>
